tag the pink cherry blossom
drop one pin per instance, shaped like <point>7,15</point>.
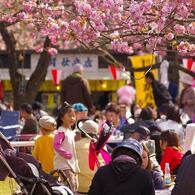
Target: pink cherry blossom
<point>112,24</point>
<point>191,28</point>
<point>169,36</point>
<point>52,51</point>
<point>38,49</point>
<point>179,29</point>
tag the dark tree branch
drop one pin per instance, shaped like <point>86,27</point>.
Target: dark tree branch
<point>39,74</point>
<point>15,77</point>
<point>144,69</point>
<point>156,66</point>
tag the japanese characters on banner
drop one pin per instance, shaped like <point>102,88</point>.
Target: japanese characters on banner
<point>65,63</point>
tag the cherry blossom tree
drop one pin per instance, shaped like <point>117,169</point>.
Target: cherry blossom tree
<point>121,25</point>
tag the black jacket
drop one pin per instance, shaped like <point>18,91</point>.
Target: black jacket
<point>185,180</point>
<point>119,178</point>
<point>161,93</point>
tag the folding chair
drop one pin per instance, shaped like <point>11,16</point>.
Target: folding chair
<point>9,123</point>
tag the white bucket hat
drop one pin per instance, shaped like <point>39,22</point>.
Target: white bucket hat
<point>48,123</point>
<point>186,78</point>
<point>90,127</point>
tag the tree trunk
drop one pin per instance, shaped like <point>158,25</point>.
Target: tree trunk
<point>24,92</point>
<point>39,74</point>
<point>15,77</point>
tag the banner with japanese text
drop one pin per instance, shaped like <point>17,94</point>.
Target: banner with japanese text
<point>65,63</point>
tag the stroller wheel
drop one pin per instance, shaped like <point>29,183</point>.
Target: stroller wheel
<point>62,178</point>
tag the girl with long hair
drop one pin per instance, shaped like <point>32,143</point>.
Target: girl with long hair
<point>64,145</point>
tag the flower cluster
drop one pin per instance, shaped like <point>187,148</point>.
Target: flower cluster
<point>117,24</point>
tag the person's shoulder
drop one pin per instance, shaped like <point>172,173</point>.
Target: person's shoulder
<point>37,138</point>
<point>144,175</point>
<point>40,137</point>
<point>170,149</point>
<point>82,143</point>
<point>173,124</point>
<point>144,172</point>
<point>189,159</point>
<point>60,129</point>
<point>84,80</point>
<point>49,136</point>
<point>163,125</point>
<point>104,169</point>
<point>70,78</point>
<point>32,118</point>
<point>155,174</point>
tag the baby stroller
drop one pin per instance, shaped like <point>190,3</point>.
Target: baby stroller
<point>27,172</point>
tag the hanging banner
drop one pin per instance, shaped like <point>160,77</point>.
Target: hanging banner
<point>56,74</point>
<point>144,95</point>
<point>190,65</point>
<point>65,63</point>
<point>113,71</point>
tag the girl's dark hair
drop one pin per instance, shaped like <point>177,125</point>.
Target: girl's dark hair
<point>112,107</point>
<point>146,114</point>
<point>163,109</point>
<point>170,137</point>
<point>27,108</point>
<point>150,75</point>
<point>62,111</point>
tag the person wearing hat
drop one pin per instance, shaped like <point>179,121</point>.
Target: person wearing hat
<point>43,149</point>
<point>142,134</point>
<point>75,88</point>
<point>124,174</point>
<point>187,97</point>
<point>138,132</point>
<point>81,111</point>
<point>82,148</point>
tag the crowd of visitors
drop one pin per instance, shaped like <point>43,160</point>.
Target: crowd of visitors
<point>62,146</point>
<point>146,141</point>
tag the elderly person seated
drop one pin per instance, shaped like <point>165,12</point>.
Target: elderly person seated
<point>82,148</point>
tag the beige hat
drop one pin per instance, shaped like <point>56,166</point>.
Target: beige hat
<point>48,123</point>
<point>186,78</point>
<point>90,127</point>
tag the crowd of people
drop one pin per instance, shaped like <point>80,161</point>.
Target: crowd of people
<point>159,139</point>
<point>147,140</point>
